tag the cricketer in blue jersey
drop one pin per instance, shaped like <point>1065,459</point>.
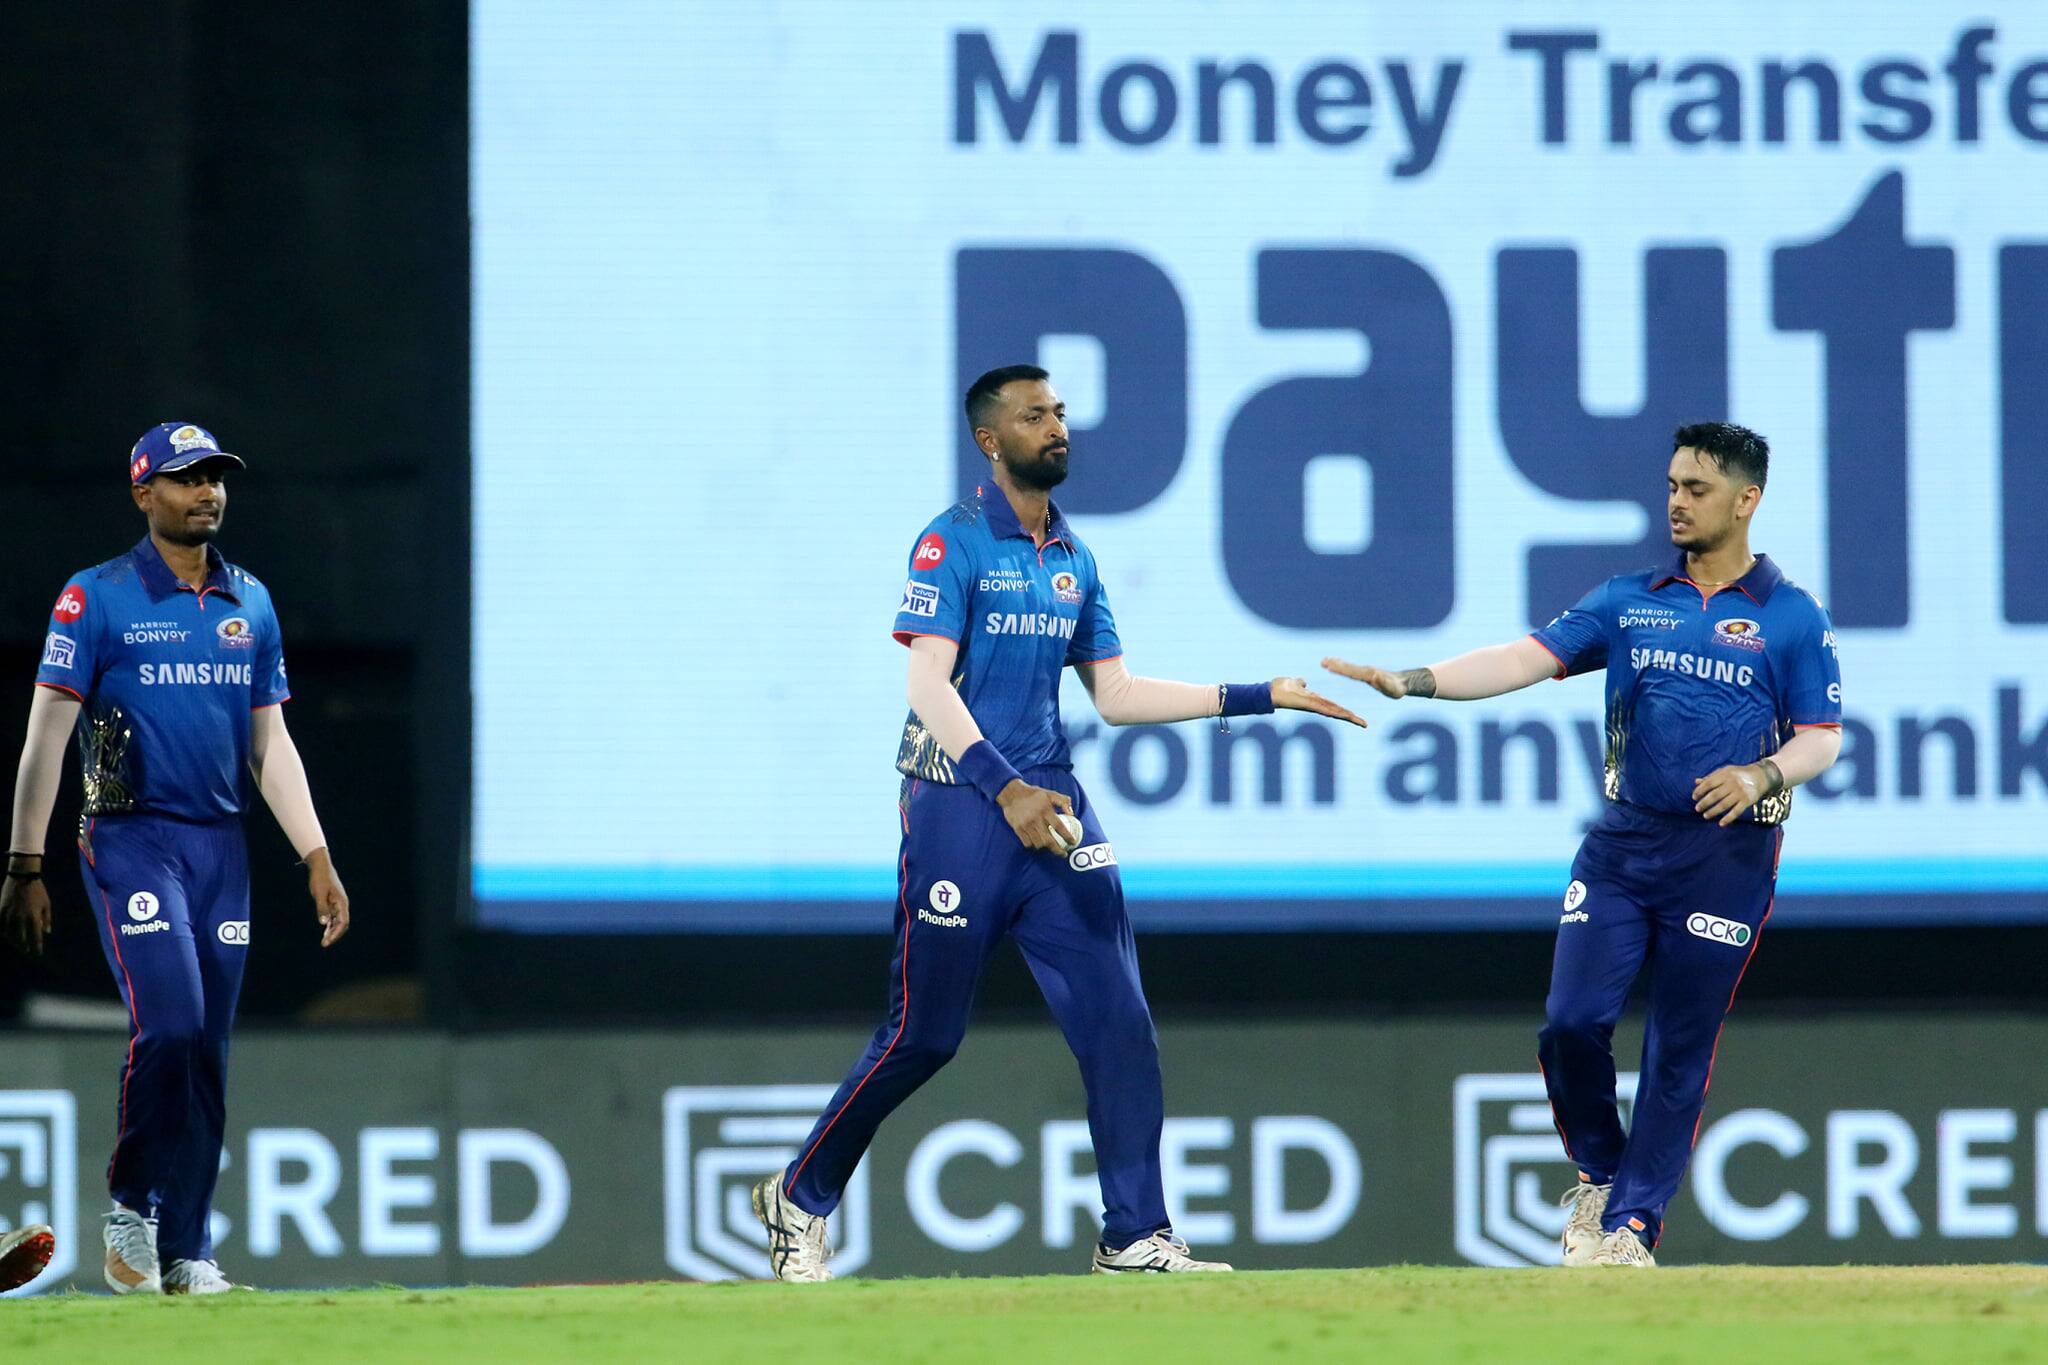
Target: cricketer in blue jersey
<point>999,841</point>
<point>1723,694</point>
<point>168,663</point>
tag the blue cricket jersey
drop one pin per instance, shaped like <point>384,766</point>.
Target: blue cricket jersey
<point>1020,614</point>
<point>168,676</point>
<point>1697,682</point>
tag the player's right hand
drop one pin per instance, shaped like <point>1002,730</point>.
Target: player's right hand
<point>25,915</point>
<point>1030,811</point>
<point>1385,683</point>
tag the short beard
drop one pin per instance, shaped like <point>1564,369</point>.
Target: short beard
<point>1040,475</point>
<point>188,536</point>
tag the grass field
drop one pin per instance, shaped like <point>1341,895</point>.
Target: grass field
<point>1727,1315</point>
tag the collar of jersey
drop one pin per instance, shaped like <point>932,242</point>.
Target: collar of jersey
<point>1003,523</point>
<point>1757,585</point>
<point>161,582</point>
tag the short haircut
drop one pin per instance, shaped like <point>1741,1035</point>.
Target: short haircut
<point>1735,451</point>
<point>982,393</point>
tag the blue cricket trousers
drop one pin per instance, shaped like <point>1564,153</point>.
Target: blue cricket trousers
<point>1690,898</point>
<point>965,884</point>
<point>171,899</point>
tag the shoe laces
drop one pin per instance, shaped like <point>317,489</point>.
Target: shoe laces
<point>133,1236</point>
<point>1173,1242</point>
<point>1582,1200</point>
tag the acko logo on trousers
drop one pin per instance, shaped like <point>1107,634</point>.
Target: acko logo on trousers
<point>234,933</point>
<point>39,1174</point>
<point>1507,1166</point>
<point>1092,857</point>
<point>716,1143</point>
<point>1717,930</point>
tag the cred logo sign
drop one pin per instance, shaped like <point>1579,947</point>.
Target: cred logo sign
<point>1508,1165</point>
<point>716,1142</point>
<point>39,1173</point>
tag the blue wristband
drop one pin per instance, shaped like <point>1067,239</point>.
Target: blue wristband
<point>1247,699</point>
<point>988,769</point>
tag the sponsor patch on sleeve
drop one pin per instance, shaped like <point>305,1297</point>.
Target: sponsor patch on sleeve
<point>59,650</point>
<point>919,599</point>
<point>70,606</point>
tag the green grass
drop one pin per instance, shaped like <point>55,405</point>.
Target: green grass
<point>1727,1315</point>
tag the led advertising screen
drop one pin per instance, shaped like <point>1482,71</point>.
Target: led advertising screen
<point>1374,324</point>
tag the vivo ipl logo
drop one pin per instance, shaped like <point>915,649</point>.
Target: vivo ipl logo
<point>716,1142</point>
<point>1508,1164</point>
<point>39,1173</point>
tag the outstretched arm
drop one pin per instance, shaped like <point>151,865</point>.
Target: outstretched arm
<point>1487,672</point>
<point>1122,699</point>
<point>24,899</point>
<point>281,777</point>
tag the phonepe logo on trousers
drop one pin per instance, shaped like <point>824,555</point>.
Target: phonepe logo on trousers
<point>716,1143</point>
<point>142,908</point>
<point>39,1173</point>
<point>1508,1166</point>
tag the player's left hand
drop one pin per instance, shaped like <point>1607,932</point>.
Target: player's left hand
<point>330,901</point>
<point>1725,793</point>
<point>1292,694</point>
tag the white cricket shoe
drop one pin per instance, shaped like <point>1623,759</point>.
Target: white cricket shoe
<point>1582,1235</point>
<point>1623,1247</point>
<point>1161,1253</point>
<point>131,1253</point>
<point>24,1253</point>
<point>196,1277</point>
<point>797,1250</point>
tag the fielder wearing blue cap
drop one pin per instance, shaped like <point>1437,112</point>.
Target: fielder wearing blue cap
<point>168,664</point>
<point>1723,694</point>
<point>1000,841</point>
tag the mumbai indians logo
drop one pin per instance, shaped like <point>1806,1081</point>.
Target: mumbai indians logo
<point>1740,632</point>
<point>191,438</point>
<point>234,633</point>
<point>1066,587</point>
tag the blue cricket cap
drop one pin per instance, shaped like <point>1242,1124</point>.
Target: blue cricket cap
<point>169,446</point>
